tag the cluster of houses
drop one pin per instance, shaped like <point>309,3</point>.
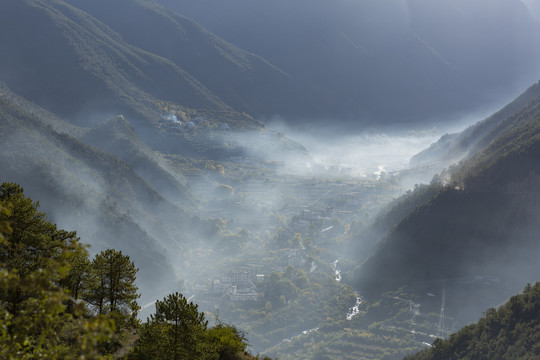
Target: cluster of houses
<point>240,287</point>
<point>308,216</point>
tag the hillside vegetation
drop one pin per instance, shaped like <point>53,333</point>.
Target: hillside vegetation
<point>83,66</point>
<point>479,219</point>
<point>509,332</point>
<point>78,184</point>
<point>243,80</point>
<point>453,147</point>
<point>57,303</point>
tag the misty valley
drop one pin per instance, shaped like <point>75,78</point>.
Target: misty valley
<point>241,180</point>
<point>276,237</point>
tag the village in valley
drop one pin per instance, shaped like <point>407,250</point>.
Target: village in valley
<point>270,234</point>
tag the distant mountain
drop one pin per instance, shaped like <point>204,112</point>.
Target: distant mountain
<point>243,80</point>
<point>314,60</point>
<point>71,64</point>
<point>393,61</point>
<point>510,332</point>
<point>480,217</point>
<point>88,59</point>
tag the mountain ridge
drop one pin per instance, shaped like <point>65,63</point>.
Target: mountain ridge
<point>77,184</point>
<point>243,80</point>
<point>86,65</point>
<point>116,136</point>
<point>482,215</point>
<point>346,56</point>
<point>453,147</point>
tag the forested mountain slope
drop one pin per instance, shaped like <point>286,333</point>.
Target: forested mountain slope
<point>243,80</point>
<point>57,302</point>
<point>45,116</point>
<point>510,332</point>
<point>75,66</point>
<point>482,219</point>
<point>315,59</point>
<point>115,136</point>
<point>449,150</point>
<point>77,184</point>
<point>452,147</point>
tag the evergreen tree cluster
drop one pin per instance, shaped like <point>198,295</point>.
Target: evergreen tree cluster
<point>57,303</point>
<point>39,317</point>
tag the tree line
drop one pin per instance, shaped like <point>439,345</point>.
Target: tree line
<point>57,303</point>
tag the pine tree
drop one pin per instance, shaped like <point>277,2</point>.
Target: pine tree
<point>175,331</point>
<point>112,284</point>
<point>32,244</point>
<point>77,280</point>
<point>34,323</point>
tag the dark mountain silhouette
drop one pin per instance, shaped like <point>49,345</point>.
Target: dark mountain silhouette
<point>482,217</point>
<point>453,147</point>
<point>393,61</point>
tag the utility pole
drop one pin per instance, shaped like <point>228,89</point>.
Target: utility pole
<point>441,317</point>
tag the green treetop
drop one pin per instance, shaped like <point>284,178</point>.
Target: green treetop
<point>112,283</point>
<point>34,259</point>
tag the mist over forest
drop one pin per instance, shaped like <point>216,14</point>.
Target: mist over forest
<point>350,179</point>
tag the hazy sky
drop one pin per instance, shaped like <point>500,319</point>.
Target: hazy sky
<point>534,7</point>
